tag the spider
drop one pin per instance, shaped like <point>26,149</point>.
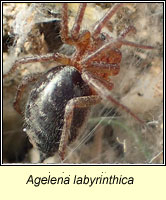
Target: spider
<point>59,102</point>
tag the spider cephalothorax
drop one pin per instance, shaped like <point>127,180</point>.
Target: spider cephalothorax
<point>58,103</point>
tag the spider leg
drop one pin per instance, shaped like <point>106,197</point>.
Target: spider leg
<point>100,51</point>
<point>78,102</point>
<point>42,58</point>
<point>64,26</point>
<point>64,23</point>
<point>103,92</point>
<point>102,22</point>
<point>83,40</point>
<point>132,44</point>
<point>128,43</point>
<point>111,45</point>
<point>24,83</point>
<point>111,69</point>
<point>77,24</point>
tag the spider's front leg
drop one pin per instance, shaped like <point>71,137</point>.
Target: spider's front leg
<point>78,21</point>
<point>79,40</point>
<point>76,26</point>
<point>78,102</point>
<point>42,58</point>
<point>103,21</point>
<point>102,90</point>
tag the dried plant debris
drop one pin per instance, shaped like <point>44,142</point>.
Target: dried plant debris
<point>111,136</point>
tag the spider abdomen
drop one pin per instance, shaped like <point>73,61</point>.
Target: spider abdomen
<point>45,108</point>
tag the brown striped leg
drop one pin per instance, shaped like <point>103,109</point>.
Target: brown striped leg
<point>42,58</point>
<point>104,93</point>
<point>78,102</point>
<point>77,24</point>
<point>102,22</point>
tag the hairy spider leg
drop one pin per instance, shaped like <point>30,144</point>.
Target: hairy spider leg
<point>24,83</point>
<point>102,91</point>
<point>123,34</point>
<point>42,58</point>
<point>78,21</point>
<point>79,40</point>
<point>94,81</point>
<point>133,44</point>
<point>64,24</point>
<point>96,31</point>
<point>76,27</point>
<point>65,36</point>
<point>102,22</point>
<point>115,55</point>
<point>112,45</point>
<point>78,102</point>
<point>112,69</point>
